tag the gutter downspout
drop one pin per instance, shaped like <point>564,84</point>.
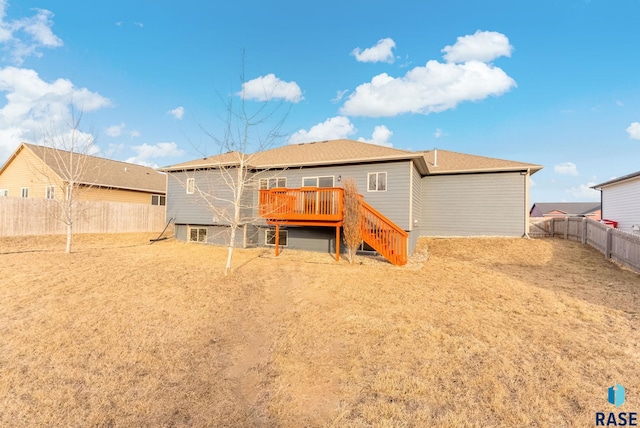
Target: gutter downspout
<point>526,204</point>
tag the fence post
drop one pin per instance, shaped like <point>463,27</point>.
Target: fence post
<point>607,245</point>
<point>566,227</point>
<point>584,230</point>
<point>552,229</point>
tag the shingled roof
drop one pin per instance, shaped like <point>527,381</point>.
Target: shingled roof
<point>101,172</point>
<point>446,162</point>
<point>338,152</point>
<point>568,208</point>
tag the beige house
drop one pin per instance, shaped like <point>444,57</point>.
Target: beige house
<point>41,172</point>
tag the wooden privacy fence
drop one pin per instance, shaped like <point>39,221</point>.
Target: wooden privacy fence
<point>622,247</point>
<point>24,216</point>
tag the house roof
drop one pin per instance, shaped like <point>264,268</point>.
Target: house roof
<point>447,162</point>
<point>569,208</point>
<point>617,180</point>
<point>336,152</point>
<point>98,171</point>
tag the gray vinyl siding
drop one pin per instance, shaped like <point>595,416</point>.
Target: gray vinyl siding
<point>393,203</point>
<point>193,208</point>
<point>621,203</point>
<point>491,204</point>
<point>308,238</point>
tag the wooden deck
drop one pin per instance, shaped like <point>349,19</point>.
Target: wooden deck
<point>306,205</point>
<point>313,206</point>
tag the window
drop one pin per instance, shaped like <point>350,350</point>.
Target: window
<point>326,181</point>
<point>158,200</point>
<point>377,182</point>
<point>270,183</point>
<point>197,234</point>
<point>270,237</point>
<point>4,192</point>
<point>50,192</point>
<point>24,192</point>
<point>191,185</point>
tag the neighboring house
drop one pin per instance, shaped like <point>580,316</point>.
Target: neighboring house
<point>620,201</point>
<point>36,172</point>
<point>433,193</point>
<point>566,209</point>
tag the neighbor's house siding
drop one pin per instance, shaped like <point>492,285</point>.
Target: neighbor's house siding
<point>621,203</point>
<point>393,203</point>
<point>27,170</point>
<point>489,204</point>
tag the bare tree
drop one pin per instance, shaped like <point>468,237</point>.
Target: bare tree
<point>351,218</point>
<point>230,186</point>
<point>66,166</point>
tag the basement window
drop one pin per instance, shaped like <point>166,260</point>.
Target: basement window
<point>377,182</point>
<point>4,192</point>
<point>197,234</point>
<point>158,200</point>
<point>270,237</point>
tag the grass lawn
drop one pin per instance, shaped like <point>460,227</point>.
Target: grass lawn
<point>472,332</point>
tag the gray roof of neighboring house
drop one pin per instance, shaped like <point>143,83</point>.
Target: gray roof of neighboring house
<point>617,180</point>
<point>98,171</point>
<point>569,208</point>
<point>336,152</point>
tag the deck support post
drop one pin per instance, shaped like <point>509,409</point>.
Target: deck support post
<point>277,239</point>
<point>337,243</point>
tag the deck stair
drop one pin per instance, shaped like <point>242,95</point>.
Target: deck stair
<point>324,207</point>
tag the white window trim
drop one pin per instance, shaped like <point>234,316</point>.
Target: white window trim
<point>22,192</point>
<point>386,183</point>
<point>52,194</point>
<point>190,228</point>
<point>191,186</point>
<point>4,192</point>
<point>266,237</point>
<point>267,187</point>
<point>318,177</point>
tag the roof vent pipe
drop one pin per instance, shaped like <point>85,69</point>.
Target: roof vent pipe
<point>435,157</point>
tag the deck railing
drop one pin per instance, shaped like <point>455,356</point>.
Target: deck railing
<point>304,204</point>
<point>383,235</point>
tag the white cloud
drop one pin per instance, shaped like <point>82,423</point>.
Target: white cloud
<point>381,52</point>
<point>381,135</point>
<point>177,112</point>
<point>566,168</point>
<point>483,46</point>
<point>34,106</point>
<point>433,88</point>
<point>584,192</point>
<point>146,152</point>
<point>335,128</point>
<point>634,130</point>
<point>24,37</point>
<point>339,96</point>
<point>114,130</point>
<point>439,133</point>
<point>465,76</point>
<point>269,87</point>
<point>134,133</point>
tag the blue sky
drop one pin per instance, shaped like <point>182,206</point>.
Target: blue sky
<point>550,82</point>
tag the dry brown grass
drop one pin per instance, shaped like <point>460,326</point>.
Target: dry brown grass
<point>487,332</point>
